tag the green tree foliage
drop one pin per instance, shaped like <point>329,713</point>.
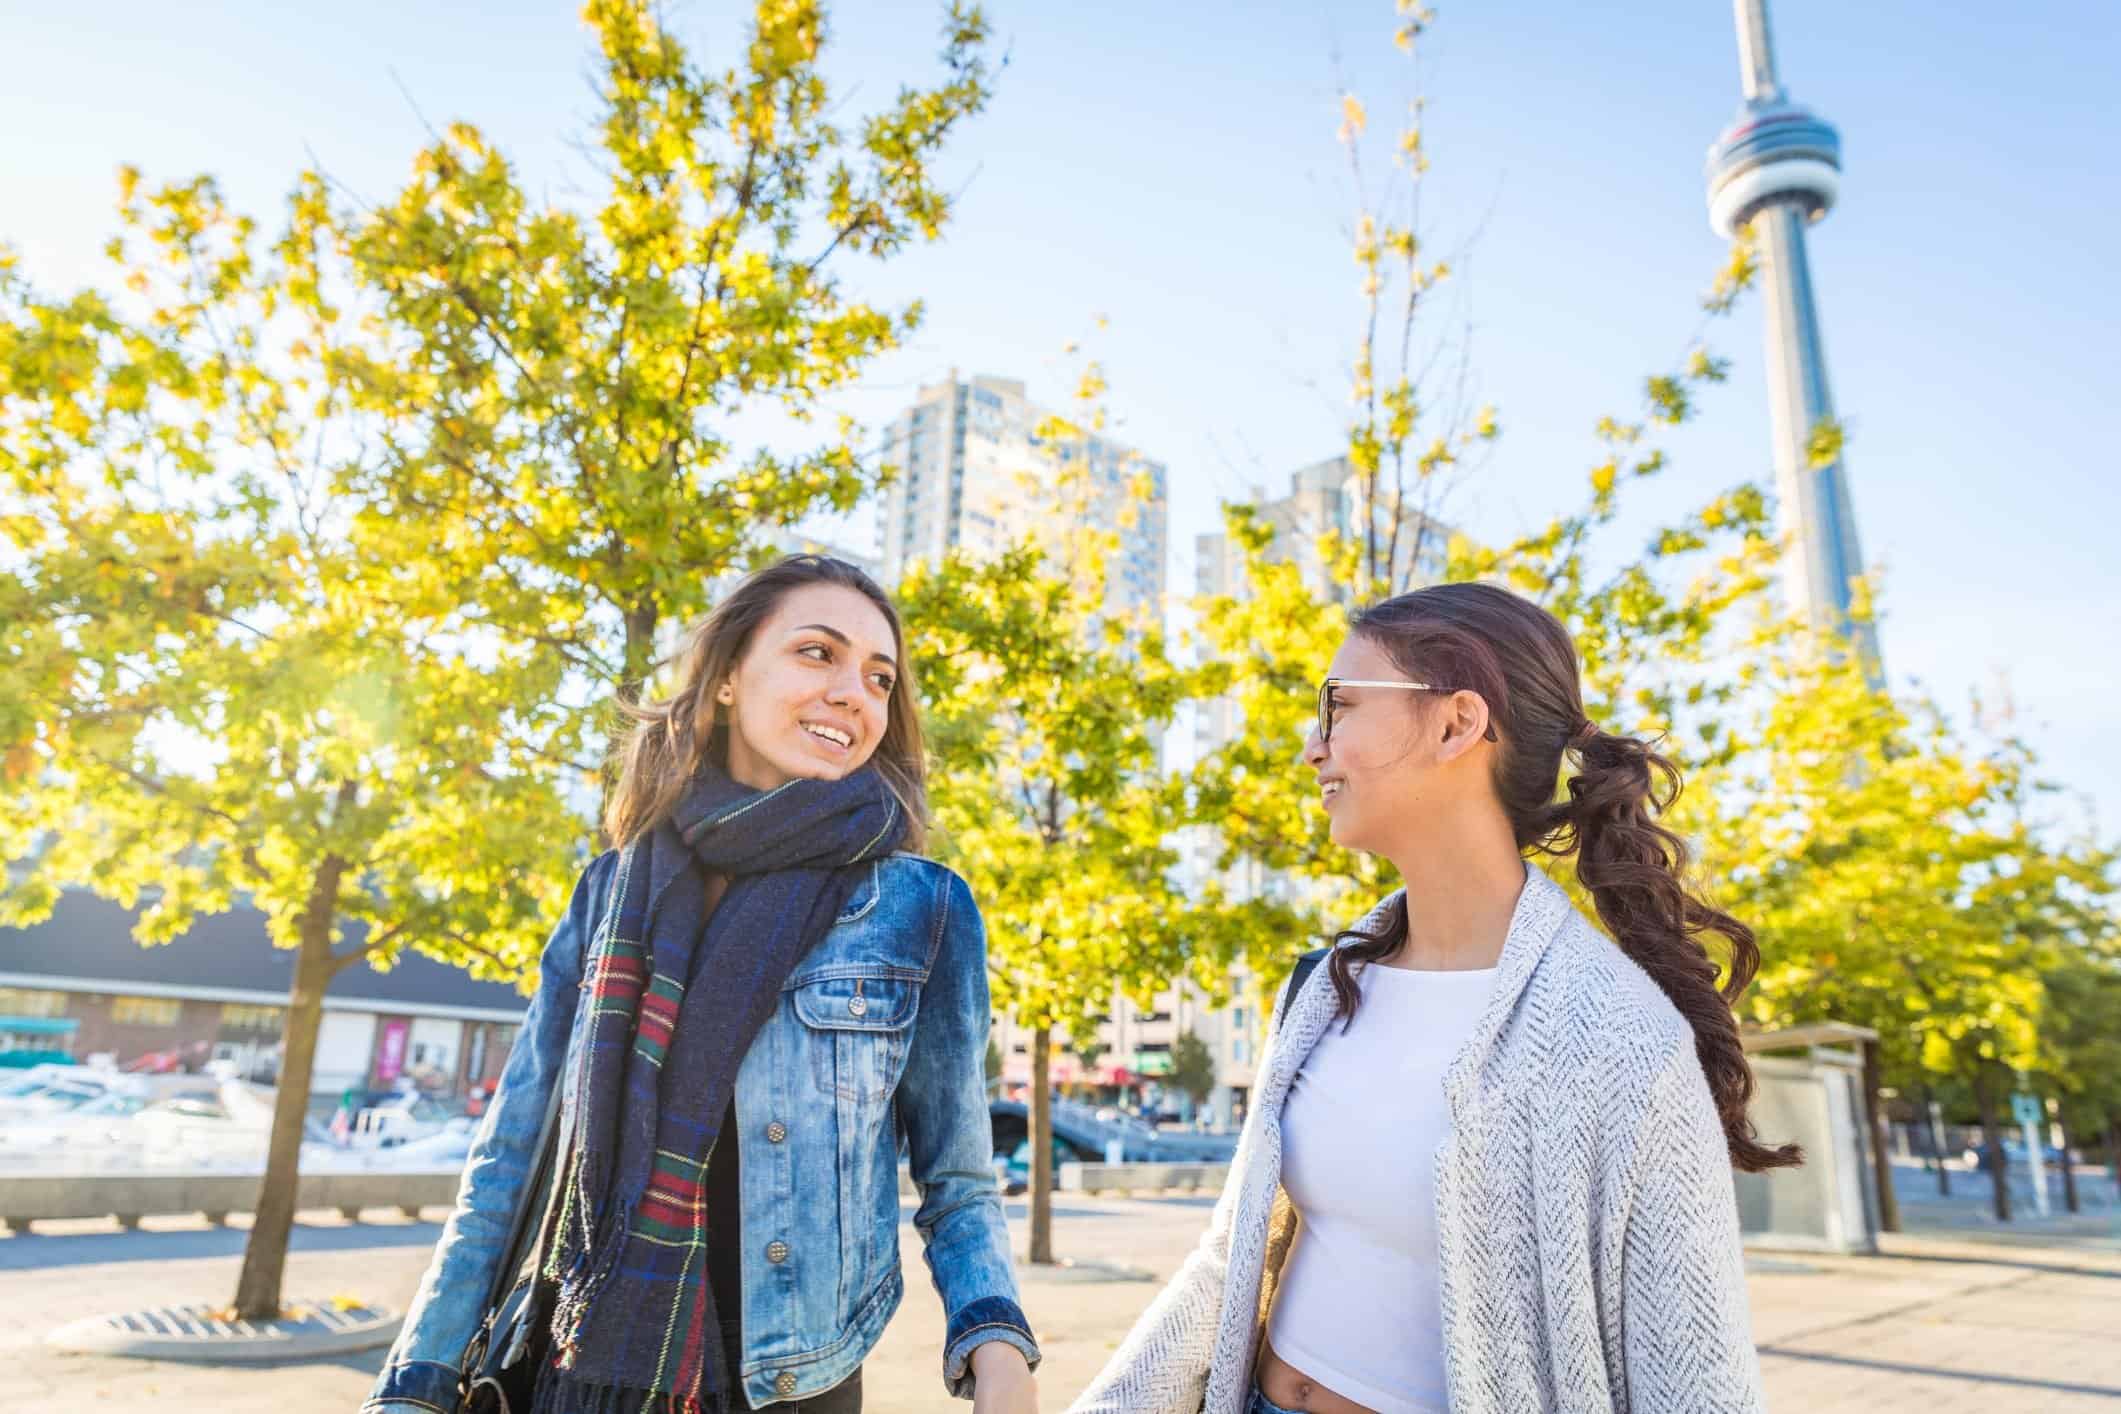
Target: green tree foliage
<point>1896,871</point>
<point>208,696</point>
<point>1654,626</point>
<point>1046,709</point>
<point>1887,862</point>
<point>324,550</point>
<point>2080,1050</point>
<point>553,387</point>
<point>1192,1067</point>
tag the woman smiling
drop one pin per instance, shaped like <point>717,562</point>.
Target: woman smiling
<point>748,1002</point>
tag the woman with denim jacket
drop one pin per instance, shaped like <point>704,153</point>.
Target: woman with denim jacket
<point>750,1002</point>
<point>1487,1166</point>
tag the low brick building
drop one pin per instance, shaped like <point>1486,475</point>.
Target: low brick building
<point>78,983</point>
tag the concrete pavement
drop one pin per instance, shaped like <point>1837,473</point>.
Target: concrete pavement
<point>1947,1320</point>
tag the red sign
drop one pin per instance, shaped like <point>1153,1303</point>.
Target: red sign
<point>390,1049</point>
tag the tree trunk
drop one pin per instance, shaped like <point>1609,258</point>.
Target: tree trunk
<point>2113,1150</point>
<point>639,650</point>
<point>1934,1132</point>
<point>265,1255</point>
<point>1881,1142</point>
<point>1041,1147</point>
<point>1992,1143</point>
<point>2069,1176</point>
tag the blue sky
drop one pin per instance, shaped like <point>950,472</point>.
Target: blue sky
<point>1172,167</point>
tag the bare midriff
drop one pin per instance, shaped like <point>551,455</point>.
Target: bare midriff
<point>1291,1388</point>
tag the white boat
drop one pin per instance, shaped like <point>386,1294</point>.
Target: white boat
<point>229,1127</point>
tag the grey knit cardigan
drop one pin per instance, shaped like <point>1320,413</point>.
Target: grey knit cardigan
<point>1587,1232</point>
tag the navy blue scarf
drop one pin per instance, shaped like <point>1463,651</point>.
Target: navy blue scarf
<point>676,994</point>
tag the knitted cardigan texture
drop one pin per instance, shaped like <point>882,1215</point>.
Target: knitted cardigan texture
<point>1587,1230</point>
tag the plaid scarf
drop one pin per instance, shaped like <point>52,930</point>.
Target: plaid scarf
<point>674,992</point>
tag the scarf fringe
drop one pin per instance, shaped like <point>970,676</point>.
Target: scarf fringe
<point>588,1273</point>
<point>565,1396</point>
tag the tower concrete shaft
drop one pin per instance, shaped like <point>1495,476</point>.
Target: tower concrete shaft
<point>1779,167</point>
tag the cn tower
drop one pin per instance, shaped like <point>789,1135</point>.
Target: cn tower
<point>1779,166</point>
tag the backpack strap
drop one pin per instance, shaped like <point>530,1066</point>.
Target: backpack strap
<point>1305,966</point>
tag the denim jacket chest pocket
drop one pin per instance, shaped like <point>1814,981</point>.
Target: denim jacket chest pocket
<point>860,1021</point>
<point>857,993</point>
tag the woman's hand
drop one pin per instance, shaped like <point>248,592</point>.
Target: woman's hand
<point>1001,1380</point>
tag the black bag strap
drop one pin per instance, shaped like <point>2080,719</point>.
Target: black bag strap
<point>1305,966</point>
<point>530,1205</point>
<point>527,1227</point>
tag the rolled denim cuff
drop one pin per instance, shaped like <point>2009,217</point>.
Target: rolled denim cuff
<point>414,1387</point>
<point>989,1318</point>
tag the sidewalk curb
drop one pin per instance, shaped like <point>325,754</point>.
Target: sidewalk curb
<point>195,1334</point>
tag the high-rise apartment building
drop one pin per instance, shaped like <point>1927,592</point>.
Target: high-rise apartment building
<point>975,474</point>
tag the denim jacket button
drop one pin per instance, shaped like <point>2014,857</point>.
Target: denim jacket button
<point>784,1383</point>
<point>776,1132</point>
<point>857,1004</point>
<point>776,1251</point>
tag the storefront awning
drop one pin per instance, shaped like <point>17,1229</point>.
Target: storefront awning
<point>39,1025</point>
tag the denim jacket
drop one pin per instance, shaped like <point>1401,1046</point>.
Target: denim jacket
<point>838,1085</point>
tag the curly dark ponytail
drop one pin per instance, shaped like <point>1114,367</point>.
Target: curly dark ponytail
<point>1520,659</point>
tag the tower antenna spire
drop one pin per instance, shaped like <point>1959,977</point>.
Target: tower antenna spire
<point>1756,53</point>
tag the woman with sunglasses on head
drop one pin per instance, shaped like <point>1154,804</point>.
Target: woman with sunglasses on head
<point>748,1004</point>
<point>1488,1166</point>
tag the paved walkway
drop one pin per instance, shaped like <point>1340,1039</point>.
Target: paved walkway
<point>1939,1325</point>
<point>1945,1321</point>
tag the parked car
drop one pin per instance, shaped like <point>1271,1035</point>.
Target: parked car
<point>1090,1138</point>
<point>1015,1171</point>
<point>2014,1153</point>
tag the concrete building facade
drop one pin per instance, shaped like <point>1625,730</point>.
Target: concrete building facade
<point>976,473</point>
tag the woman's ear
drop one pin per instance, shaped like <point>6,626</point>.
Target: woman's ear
<point>1464,717</point>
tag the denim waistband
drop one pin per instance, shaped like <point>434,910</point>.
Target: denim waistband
<point>1262,1405</point>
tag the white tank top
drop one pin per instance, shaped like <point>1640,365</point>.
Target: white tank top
<point>1358,1308</point>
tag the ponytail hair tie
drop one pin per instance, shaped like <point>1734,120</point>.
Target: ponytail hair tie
<point>1585,730</point>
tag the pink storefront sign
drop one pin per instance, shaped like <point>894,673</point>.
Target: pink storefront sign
<point>390,1049</point>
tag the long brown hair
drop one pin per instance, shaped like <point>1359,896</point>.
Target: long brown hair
<point>669,739</point>
<point>1520,659</point>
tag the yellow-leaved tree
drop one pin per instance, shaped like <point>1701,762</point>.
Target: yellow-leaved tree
<point>328,550</point>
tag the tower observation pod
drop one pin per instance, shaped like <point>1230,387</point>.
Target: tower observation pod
<point>1779,166</point>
